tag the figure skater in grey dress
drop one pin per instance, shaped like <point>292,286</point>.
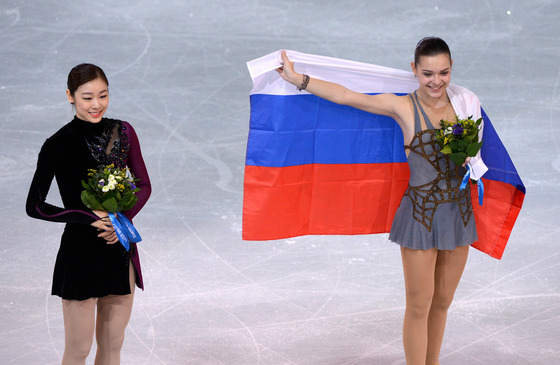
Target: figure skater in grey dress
<point>434,224</point>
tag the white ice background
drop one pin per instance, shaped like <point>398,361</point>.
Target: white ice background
<point>177,72</point>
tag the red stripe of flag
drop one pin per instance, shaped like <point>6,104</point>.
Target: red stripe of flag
<point>281,202</point>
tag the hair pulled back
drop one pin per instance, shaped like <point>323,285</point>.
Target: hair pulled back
<point>430,46</point>
<point>84,73</point>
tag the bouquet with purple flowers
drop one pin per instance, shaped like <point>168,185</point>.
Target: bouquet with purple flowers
<point>109,189</point>
<point>112,190</point>
<point>459,139</point>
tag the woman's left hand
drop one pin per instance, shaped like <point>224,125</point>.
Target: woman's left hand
<point>106,227</point>
<point>466,161</point>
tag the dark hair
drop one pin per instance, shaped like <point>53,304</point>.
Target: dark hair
<point>84,73</point>
<point>430,46</point>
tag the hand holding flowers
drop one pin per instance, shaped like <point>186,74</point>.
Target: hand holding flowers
<point>459,140</point>
<point>105,227</point>
<point>112,190</point>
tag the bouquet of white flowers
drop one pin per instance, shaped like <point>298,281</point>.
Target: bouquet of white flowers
<point>109,189</point>
<point>113,190</point>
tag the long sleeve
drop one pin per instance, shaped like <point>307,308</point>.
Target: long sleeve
<point>135,163</point>
<point>36,205</point>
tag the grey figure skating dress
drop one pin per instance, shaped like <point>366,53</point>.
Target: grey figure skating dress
<point>433,211</point>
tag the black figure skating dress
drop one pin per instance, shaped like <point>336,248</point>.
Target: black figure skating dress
<point>86,266</point>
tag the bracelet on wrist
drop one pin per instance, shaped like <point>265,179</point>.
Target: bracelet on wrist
<point>305,82</point>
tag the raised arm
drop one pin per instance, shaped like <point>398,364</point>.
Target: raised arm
<point>385,104</point>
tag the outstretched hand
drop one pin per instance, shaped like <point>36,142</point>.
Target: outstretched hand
<point>287,71</point>
<point>105,226</point>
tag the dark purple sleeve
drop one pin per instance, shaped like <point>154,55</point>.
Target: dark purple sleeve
<point>36,205</point>
<point>135,163</point>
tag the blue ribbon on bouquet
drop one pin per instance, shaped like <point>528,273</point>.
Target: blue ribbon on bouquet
<point>479,185</point>
<point>124,229</point>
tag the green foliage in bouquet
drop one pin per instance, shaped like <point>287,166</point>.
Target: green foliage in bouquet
<point>109,189</point>
<point>459,139</point>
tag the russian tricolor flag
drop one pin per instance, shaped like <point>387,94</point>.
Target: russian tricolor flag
<point>315,167</point>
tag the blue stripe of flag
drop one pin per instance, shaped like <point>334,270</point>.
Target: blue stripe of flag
<point>496,158</point>
<point>291,130</point>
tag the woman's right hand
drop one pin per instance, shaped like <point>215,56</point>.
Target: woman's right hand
<point>287,71</point>
<point>384,104</point>
<point>106,227</point>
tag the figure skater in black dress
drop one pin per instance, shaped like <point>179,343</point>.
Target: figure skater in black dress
<point>93,271</point>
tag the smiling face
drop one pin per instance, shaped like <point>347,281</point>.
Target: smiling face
<point>434,75</point>
<point>90,100</point>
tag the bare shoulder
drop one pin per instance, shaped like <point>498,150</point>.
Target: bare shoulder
<point>404,116</point>
<point>404,110</point>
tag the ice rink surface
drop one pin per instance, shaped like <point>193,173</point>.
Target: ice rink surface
<point>177,72</point>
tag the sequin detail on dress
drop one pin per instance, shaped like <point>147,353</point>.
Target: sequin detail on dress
<point>443,189</point>
<point>112,146</point>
